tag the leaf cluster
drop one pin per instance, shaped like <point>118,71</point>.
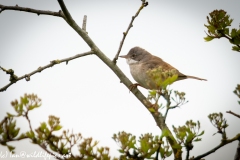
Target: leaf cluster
<point>59,146</point>
<point>162,78</point>
<point>146,147</point>
<point>188,133</point>
<point>219,122</point>
<point>218,27</point>
<point>237,92</point>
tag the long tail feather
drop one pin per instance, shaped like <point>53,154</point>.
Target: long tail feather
<point>201,79</point>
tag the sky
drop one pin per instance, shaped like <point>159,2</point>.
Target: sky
<point>89,98</point>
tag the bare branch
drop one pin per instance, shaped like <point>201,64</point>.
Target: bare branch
<point>52,63</point>
<point>144,4</point>
<point>30,10</point>
<point>230,112</point>
<point>223,143</point>
<point>159,119</point>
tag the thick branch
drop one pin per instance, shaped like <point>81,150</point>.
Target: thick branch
<point>159,119</point>
<point>144,4</point>
<point>223,143</point>
<point>95,50</point>
<point>52,63</point>
<point>230,112</point>
<point>38,12</point>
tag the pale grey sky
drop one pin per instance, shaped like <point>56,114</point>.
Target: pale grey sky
<point>87,95</point>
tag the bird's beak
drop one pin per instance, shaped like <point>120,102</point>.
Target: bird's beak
<point>124,56</point>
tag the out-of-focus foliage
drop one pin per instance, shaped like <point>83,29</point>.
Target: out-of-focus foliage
<point>218,27</point>
<point>188,133</point>
<point>146,148</point>
<point>44,136</point>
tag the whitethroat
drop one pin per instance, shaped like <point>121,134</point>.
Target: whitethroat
<point>141,61</point>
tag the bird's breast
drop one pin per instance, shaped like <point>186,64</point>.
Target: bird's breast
<point>139,73</point>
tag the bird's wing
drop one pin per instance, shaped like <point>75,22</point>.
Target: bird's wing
<point>156,62</point>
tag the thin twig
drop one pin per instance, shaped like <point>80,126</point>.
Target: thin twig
<point>29,123</point>
<point>166,96</point>
<point>84,25</point>
<point>54,155</point>
<point>52,63</point>
<point>187,155</point>
<point>157,152</point>
<point>13,140</point>
<point>223,143</point>
<point>30,10</point>
<point>230,112</point>
<point>144,4</point>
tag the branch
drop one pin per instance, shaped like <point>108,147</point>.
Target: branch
<point>158,117</point>
<point>166,96</point>
<point>223,143</point>
<point>52,63</point>
<point>187,155</point>
<point>84,25</point>
<point>144,4</point>
<point>30,10</point>
<point>237,155</point>
<point>230,112</point>
<point>95,50</point>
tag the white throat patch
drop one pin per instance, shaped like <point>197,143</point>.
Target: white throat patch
<point>131,61</point>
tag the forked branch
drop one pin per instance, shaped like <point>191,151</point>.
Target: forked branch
<point>223,143</point>
<point>51,64</point>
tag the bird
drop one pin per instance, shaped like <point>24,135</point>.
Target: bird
<point>141,61</point>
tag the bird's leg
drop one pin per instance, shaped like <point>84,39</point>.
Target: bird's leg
<point>133,86</point>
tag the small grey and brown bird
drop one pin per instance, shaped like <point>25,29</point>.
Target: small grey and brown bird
<point>141,61</point>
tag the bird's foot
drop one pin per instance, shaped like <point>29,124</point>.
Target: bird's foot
<point>133,86</point>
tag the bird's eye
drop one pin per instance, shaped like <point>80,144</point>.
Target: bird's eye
<point>133,56</point>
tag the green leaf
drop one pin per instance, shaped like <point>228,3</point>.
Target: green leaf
<point>165,133</point>
<point>152,110</point>
<point>236,40</point>
<point>153,93</point>
<point>233,33</point>
<point>144,145</point>
<point>24,100</point>
<point>10,148</point>
<point>9,114</point>
<point>56,128</point>
<point>121,151</point>
<point>30,134</point>
<point>197,139</point>
<point>31,107</point>
<point>168,154</point>
<point>43,126</point>
<point>15,132</point>
<point>235,48</point>
<point>176,146</point>
<point>208,38</point>
<point>162,152</point>
<point>226,31</point>
<point>201,133</point>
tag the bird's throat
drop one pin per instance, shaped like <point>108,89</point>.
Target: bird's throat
<point>131,61</point>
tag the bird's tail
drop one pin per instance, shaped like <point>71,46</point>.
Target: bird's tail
<point>201,79</point>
